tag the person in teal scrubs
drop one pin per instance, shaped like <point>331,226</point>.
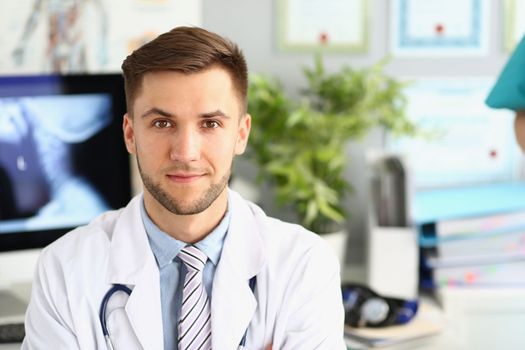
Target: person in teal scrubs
<point>509,90</point>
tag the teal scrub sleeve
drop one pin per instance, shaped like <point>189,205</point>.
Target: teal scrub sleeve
<point>509,90</point>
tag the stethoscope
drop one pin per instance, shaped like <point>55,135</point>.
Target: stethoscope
<point>122,288</point>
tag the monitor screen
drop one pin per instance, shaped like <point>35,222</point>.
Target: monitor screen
<point>62,155</point>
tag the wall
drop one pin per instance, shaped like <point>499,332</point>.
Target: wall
<point>252,23</point>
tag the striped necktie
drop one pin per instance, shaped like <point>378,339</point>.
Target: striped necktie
<point>195,321</point>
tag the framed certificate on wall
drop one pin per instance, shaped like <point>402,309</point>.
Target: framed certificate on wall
<point>333,25</point>
<point>468,142</point>
<point>439,27</point>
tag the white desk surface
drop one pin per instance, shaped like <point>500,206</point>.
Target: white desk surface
<point>22,291</point>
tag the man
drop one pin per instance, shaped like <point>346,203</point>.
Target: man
<point>509,91</point>
<point>206,268</point>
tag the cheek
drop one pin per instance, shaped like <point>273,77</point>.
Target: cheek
<point>152,151</point>
<point>220,149</point>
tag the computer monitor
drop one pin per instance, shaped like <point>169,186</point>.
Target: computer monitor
<point>62,156</point>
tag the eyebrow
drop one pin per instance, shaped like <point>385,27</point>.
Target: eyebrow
<point>156,111</point>
<point>206,115</point>
<point>216,113</point>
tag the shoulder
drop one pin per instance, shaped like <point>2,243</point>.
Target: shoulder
<point>86,245</point>
<point>298,246</point>
<point>291,243</point>
<point>285,234</point>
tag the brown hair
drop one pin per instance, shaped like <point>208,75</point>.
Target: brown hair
<point>187,50</point>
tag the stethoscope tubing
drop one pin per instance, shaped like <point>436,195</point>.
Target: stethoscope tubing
<point>122,288</point>
<point>103,306</point>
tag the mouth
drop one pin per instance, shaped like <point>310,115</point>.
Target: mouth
<point>184,178</point>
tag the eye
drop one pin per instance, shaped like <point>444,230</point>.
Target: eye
<point>162,124</point>
<point>211,124</point>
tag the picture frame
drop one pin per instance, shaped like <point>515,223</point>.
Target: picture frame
<point>310,25</point>
<point>439,28</point>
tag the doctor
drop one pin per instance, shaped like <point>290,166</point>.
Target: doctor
<point>509,91</point>
<point>204,267</point>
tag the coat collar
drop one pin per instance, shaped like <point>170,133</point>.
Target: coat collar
<point>129,247</point>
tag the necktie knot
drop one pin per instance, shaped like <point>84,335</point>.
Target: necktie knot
<point>193,258</point>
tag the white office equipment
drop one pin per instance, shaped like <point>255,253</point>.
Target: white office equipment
<point>393,255</point>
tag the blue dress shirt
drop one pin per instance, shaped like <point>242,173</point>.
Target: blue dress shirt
<point>172,269</point>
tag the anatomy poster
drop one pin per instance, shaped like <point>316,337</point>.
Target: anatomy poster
<point>73,36</point>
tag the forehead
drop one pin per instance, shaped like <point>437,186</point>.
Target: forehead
<point>212,84</point>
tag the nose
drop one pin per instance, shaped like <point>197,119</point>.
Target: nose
<point>185,146</point>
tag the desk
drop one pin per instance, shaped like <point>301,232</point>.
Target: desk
<point>481,319</point>
<point>476,318</point>
<point>23,292</point>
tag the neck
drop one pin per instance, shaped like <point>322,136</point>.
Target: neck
<point>187,228</point>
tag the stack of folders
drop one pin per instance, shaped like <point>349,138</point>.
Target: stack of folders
<point>472,236</point>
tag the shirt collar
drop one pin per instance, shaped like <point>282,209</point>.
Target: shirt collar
<point>166,248</point>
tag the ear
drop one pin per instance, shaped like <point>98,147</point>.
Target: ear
<point>245,125</point>
<point>519,128</point>
<point>129,134</point>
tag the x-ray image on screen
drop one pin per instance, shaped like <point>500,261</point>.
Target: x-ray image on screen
<point>42,183</point>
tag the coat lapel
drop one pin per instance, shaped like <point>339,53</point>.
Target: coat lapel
<point>144,309</point>
<point>132,263</point>
<point>233,302</point>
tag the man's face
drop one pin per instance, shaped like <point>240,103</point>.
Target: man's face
<point>185,131</point>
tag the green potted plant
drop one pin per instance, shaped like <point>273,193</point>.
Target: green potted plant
<point>299,146</point>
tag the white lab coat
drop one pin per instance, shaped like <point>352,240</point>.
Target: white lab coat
<point>296,304</point>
